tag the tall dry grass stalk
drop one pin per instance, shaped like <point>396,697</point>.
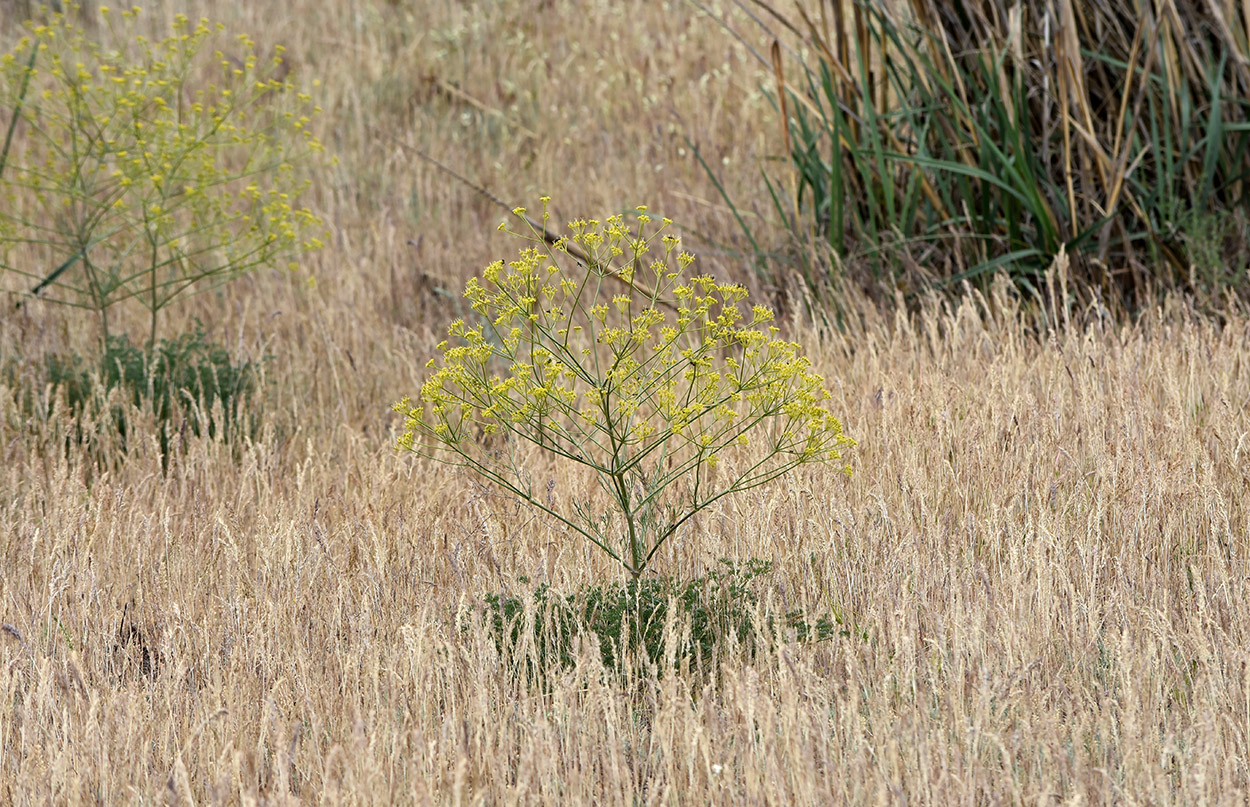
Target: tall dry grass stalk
<point>1043,553</point>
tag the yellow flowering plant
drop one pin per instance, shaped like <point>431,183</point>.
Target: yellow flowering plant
<point>657,381</point>
<point>146,170</point>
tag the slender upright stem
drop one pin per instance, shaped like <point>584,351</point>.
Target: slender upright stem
<point>98,297</point>
<point>617,475</point>
<point>153,302</point>
<point>17,108</point>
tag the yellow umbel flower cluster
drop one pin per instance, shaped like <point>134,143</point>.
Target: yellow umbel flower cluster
<point>604,377</point>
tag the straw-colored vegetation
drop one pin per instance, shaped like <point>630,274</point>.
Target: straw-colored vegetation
<point>1037,570</point>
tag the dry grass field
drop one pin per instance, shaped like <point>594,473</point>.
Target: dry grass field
<point>1041,559</point>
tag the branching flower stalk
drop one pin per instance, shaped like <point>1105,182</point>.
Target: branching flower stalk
<point>672,413</point>
<point>145,170</point>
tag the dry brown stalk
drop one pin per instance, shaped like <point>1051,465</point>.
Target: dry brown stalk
<point>552,237</point>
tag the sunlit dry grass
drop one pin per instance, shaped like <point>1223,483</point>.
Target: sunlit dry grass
<point>1041,559</point>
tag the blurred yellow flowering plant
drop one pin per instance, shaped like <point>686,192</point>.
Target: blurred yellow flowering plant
<point>660,383</point>
<point>146,170</point>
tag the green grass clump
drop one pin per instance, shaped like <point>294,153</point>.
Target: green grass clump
<point>185,383</point>
<point>654,621</point>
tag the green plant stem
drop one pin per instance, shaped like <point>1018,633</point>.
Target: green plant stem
<point>17,108</point>
<point>97,295</point>
<point>155,308</point>
<point>622,487</point>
